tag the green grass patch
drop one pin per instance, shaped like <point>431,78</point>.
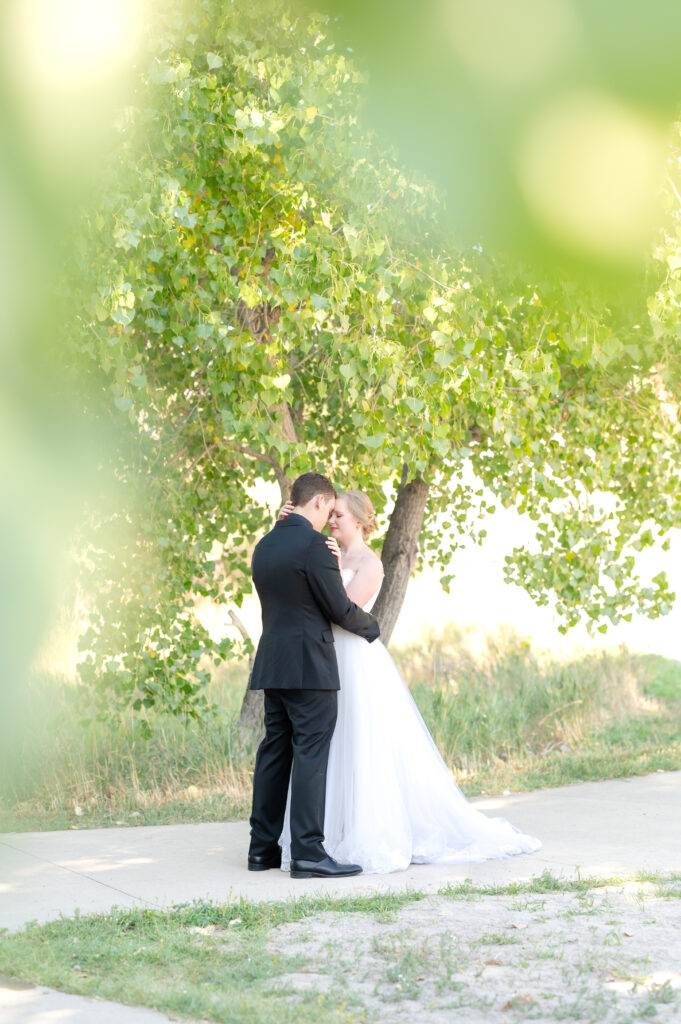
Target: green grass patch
<point>505,717</point>
<point>666,885</point>
<point>200,960</point>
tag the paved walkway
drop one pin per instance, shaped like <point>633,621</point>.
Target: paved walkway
<point>35,1004</point>
<point>592,829</point>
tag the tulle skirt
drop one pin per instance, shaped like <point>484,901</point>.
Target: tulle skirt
<point>391,800</point>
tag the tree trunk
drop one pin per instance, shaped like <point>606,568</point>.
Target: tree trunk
<point>252,714</point>
<point>400,549</point>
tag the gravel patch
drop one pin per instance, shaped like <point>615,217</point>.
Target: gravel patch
<point>608,956</point>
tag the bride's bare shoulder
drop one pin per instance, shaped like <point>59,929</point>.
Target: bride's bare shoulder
<point>367,578</point>
<point>371,562</point>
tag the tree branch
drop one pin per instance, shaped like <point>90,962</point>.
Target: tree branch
<point>420,270</point>
<point>198,458</point>
<point>279,472</point>
<point>288,425</point>
<point>238,624</point>
<point>253,454</point>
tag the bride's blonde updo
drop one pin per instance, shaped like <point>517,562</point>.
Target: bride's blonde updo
<point>359,505</point>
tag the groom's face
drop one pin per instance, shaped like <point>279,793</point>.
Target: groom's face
<point>330,510</point>
<point>323,507</point>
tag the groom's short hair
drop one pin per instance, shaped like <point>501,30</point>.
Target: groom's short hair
<point>305,487</point>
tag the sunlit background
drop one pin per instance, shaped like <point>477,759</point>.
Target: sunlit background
<point>480,601</point>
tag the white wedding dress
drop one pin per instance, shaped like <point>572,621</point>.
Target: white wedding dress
<point>391,800</point>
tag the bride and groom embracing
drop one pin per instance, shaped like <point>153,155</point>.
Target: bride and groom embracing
<point>347,778</point>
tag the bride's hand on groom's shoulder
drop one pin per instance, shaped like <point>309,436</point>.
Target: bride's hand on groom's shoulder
<point>285,509</point>
<point>332,545</point>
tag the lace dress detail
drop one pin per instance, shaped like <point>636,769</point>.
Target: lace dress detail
<point>390,798</point>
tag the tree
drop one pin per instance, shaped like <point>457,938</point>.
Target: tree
<point>264,289</point>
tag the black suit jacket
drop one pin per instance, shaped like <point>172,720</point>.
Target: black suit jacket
<point>301,592</point>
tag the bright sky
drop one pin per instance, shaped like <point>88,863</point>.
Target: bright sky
<point>480,597</point>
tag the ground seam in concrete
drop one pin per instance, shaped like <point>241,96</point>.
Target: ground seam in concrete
<point>81,874</point>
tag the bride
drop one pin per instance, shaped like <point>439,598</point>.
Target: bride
<point>391,800</point>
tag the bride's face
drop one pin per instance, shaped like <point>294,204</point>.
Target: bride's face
<point>342,524</point>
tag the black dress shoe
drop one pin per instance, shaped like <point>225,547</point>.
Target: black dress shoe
<point>327,868</point>
<point>264,861</point>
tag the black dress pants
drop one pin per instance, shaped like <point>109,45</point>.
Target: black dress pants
<point>299,725</point>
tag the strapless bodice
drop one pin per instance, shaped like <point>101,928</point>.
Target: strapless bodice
<point>347,575</point>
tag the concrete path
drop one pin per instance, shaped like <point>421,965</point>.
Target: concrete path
<point>594,828</point>
<point>35,1004</point>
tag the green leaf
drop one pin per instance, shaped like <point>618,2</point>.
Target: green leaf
<point>443,358</point>
<point>123,316</point>
<point>415,404</point>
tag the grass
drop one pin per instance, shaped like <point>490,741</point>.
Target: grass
<point>207,960</point>
<point>69,775</point>
<point>667,886</point>
<point>408,964</point>
<point>507,718</point>
<point>162,959</point>
<point>504,716</point>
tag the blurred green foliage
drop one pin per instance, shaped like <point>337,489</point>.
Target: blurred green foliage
<point>544,121</point>
<point>49,444</point>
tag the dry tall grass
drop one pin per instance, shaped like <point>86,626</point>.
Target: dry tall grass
<point>502,714</point>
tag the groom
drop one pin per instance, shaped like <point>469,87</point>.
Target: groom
<point>301,592</point>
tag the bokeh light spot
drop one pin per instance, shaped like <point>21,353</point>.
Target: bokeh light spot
<point>590,170</point>
<point>512,44</point>
<point>62,44</point>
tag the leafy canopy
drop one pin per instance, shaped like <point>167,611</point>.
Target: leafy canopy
<point>265,289</point>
